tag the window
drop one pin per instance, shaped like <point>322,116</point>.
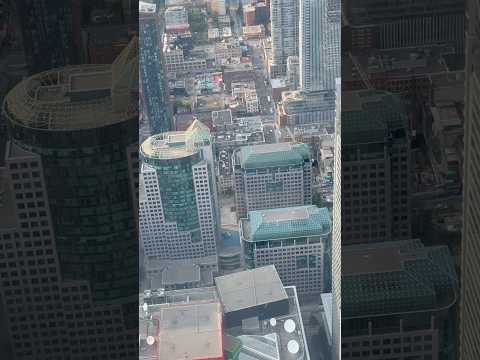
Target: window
<point>301,262</point>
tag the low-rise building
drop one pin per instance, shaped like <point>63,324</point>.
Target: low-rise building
<point>247,315</point>
<point>226,50</point>
<point>299,108</point>
<point>251,101</point>
<point>200,323</point>
<point>237,73</point>
<point>293,239</point>
<point>169,3</point>
<point>253,32</point>
<point>249,15</point>
<point>233,133</point>
<point>176,61</point>
<point>176,19</point>
<point>217,7</point>
<point>279,85</point>
<point>215,33</point>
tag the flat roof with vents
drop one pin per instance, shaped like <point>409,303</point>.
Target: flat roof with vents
<point>248,289</point>
<point>190,331</point>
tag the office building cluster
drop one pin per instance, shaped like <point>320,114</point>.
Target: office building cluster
<point>225,199</point>
<point>240,179</point>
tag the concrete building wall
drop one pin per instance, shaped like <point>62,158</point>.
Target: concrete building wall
<point>254,191</point>
<point>307,279</point>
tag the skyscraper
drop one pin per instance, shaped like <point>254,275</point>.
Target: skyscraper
<point>47,33</point>
<point>470,309</point>
<point>294,239</point>
<point>153,97</point>
<point>178,201</point>
<point>405,23</point>
<point>398,301</point>
<point>68,215</point>
<point>319,44</point>
<point>284,23</point>
<point>272,176</point>
<point>376,168</point>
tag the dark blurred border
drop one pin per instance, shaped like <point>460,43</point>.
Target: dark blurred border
<point>69,179</point>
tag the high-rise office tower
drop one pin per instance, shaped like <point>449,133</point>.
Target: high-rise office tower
<point>153,95</point>
<point>284,23</point>
<point>376,168</point>
<point>398,301</point>
<point>178,202</point>
<point>405,23</point>
<point>293,239</point>
<point>67,223</point>
<point>47,33</point>
<point>470,309</point>
<point>319,46</point>
<point>272,176</point>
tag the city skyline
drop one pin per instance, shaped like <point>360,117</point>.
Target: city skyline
<point>239,179</point>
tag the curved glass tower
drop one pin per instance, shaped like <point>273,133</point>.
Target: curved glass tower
<point>83,122</point>
<point>178,218</point>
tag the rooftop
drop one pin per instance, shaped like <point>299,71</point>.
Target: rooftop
<point>279,82</point>
<point>269,155</point>
<point>241,131</point>
<point>371,116</point>
<point>447,117</point>
<point>253,30</point>
<point>199,323</point>
<point>180,274</point>
<point>280,338</point>
<point>286,223</point>
<point>396,277</point>
<point>147,7</point>
<point>77,97</point>
<point>250,288</point>
<point>295,102</point>
<point>176,144</point>
<point>222,117</point>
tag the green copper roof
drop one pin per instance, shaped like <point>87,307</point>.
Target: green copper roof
<point>396,277</point>
<point>371,116</point>
<point>270,155</point>
<point>285,223</point>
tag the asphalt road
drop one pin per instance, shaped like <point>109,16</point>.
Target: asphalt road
<point>262,84</point>
<point>264,90</point>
